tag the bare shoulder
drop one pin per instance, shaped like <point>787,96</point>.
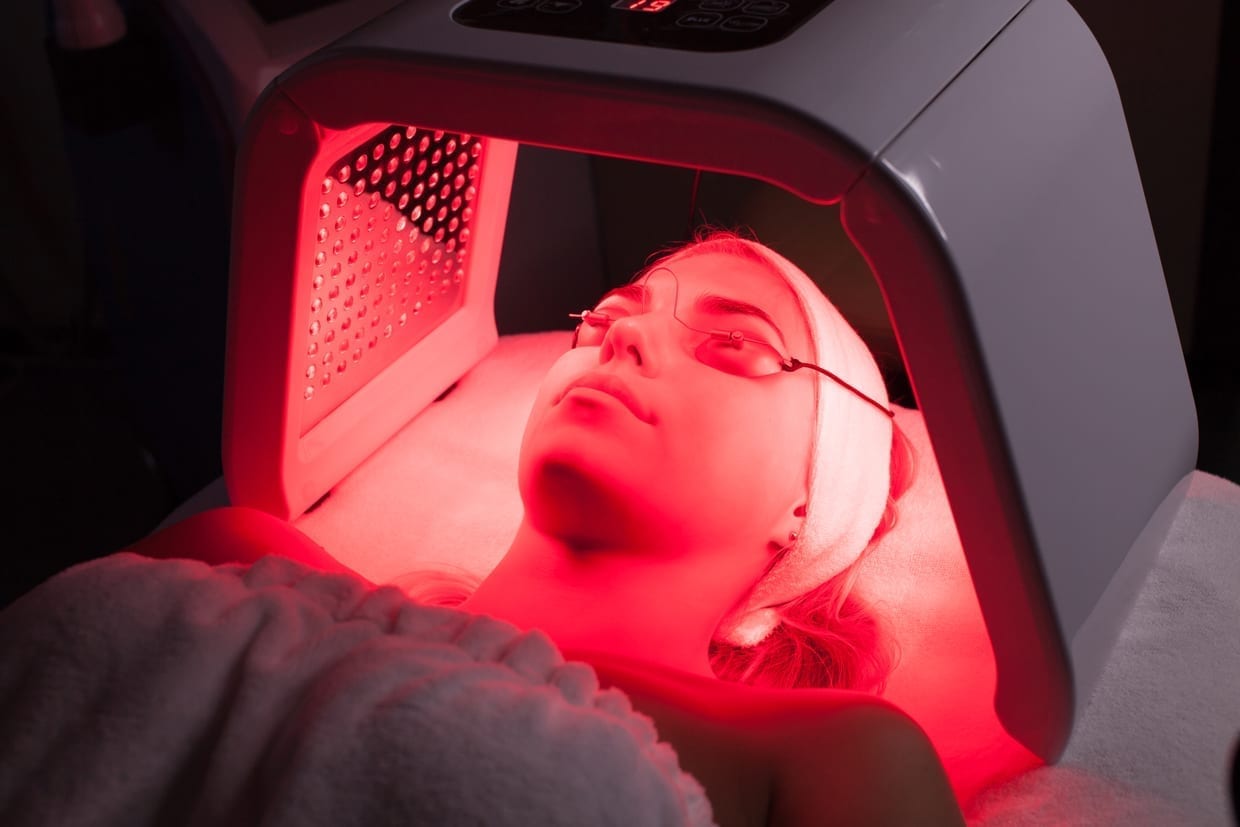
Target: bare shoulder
<point>849,758</point>
<point>787,758</point>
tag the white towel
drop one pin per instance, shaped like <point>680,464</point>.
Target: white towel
<point>1153,744</point>
<point>139,692</point>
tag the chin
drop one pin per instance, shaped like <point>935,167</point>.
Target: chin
<point>565,471</point>
<point>577,493</point>
<point>596,440</point>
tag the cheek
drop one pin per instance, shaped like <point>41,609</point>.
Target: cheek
<point>792,423</point>
<point>752,444</point>
<point>570,365</point>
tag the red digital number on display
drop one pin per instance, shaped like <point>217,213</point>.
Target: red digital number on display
<point>642,5</point>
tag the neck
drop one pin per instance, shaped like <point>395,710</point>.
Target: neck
<point>652,607</point>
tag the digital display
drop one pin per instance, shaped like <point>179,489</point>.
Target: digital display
<point>642,5</point>
<point>691,25</point>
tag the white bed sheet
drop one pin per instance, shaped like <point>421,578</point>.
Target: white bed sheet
<point>1153,743</point>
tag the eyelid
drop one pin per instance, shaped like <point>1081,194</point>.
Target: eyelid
<point>747,333</point>
<point>758,331</point>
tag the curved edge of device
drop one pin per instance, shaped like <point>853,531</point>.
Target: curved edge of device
<point>270,461</point>
<point>930,316</point>
<point>1042,349</point>
<point>660,124</point>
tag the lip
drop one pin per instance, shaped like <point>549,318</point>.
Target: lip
<point>614,387</point>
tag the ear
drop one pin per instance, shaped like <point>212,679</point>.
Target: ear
<point>787,529</point>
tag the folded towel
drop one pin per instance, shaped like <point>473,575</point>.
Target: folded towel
<point>1153,745</point>
<point>140,692</point>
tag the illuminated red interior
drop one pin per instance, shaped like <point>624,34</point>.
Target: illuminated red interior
<point>365,244</point>
<point>388,255</point>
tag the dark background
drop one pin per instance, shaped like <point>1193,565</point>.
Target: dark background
<point>115,184</point>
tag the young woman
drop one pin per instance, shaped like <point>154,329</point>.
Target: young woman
<point>689,456</point>
<point>701,474</point>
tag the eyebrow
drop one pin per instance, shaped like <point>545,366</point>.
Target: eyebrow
<point>631,291</point>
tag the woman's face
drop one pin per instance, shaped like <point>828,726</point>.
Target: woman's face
<point>649,438</point>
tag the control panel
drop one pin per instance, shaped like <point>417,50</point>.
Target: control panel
<point>696,25</point>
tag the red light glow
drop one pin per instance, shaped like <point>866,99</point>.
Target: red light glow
<point>425,202</point>
<point>335,283</point>
<point>916,579</point>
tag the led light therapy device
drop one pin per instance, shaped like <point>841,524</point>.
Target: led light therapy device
<point>980,159</point>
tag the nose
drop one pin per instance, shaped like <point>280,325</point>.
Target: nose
<point>632,339</point>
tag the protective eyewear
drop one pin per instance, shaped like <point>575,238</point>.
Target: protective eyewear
<point>736,349</point>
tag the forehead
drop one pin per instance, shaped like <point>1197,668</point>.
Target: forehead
<point>735,277</point>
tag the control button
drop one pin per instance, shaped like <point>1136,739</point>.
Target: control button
<point>516,4</point>
<point>741,23</point>
<point>699,20</point>
<point>719,5</point>
<point>766,7</point>
<point>559,6</point>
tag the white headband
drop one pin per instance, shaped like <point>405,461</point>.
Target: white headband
<point>849,475</point>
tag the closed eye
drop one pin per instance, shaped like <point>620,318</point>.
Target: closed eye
<point>710,304</point>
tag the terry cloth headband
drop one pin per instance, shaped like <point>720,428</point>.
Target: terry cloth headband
<point>850,468</point>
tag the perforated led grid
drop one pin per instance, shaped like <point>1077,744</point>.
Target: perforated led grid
<point>389,253</point>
